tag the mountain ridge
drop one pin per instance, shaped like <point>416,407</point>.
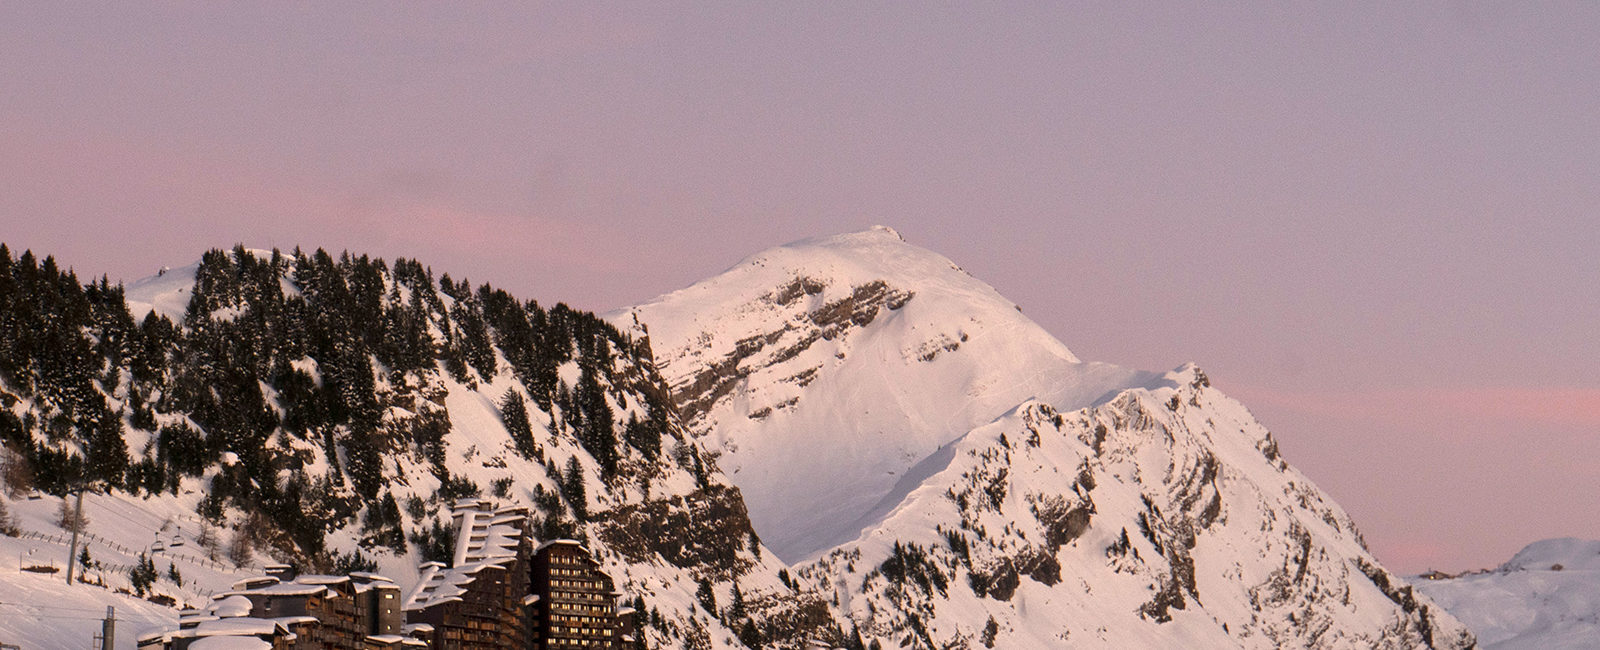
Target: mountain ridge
<point>1027,480</point>
<point>866,310</point>
<point>1013,494</point>
<point>1545,597</point>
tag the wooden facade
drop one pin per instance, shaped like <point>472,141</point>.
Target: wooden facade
<point>487,613</point>
<point>577,606</point>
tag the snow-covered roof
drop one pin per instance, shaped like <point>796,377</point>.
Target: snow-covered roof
<point>295,620</point>
<point>485,534</point>
<point>230,643</point>
<point>235,626</point>
<point>448,584</point>
<point>485,537</point>
<point>472,503</point>
<point>562,542</point>
<point>284,589</point>
<point>191,620</point>
<point>230,605</point>
<point>317,579</point>
<point>254,581</point>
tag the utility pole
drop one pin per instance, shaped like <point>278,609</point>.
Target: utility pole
<point>77,524</point>
<point>108,629</point>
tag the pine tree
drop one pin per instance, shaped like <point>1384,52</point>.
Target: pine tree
<point>855,642</point>
<point>749,635</point>
<point>573,489</point>
<point>643,435</point>
<point>364,461</point>
<point>598,432</point>
<point>736,610</point>
<point>68,518</point>
<point>143,575</point>
<point>514,414</point>
<point>353,562</point>
<point>107,451</point>
<point>436,543</point>
<point>8,524</point>
<point>707,597</point>
<point>208,541</point>
<point>240,551</point>
<point>543,362</point>
<point>474,342</point>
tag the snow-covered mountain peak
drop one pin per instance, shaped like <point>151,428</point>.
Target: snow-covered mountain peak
<point>827,368</point>
<point>1547,596</point>
<point>167,292</point>
<point>949,474</point>
<point>1566,552</point>
<point>825,270</point>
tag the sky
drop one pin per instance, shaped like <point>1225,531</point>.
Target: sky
<point>1374,223</point>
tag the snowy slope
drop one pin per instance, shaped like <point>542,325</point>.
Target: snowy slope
<point>1160,519</point>
<point>1528,602</point>
<point>665,567</point>
<point>950,475</point>
<point>937,470</point>
<point>40,610</point>
<point>825,370</point>
<point>167,293</point>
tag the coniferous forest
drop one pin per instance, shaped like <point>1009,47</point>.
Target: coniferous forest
<point>291,382</point>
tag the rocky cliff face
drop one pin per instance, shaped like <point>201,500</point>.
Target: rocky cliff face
<point>1160,518</point>
<point>943,473</point>
<point>820,372</point>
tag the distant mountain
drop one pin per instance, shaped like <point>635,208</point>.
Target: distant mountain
<point>946,473</point>
<point>1546,597</point>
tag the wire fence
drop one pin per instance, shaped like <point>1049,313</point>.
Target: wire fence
<point>63,539</point>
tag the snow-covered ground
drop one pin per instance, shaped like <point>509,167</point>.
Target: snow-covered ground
<point>40,610</point>
<point>1546,597</point>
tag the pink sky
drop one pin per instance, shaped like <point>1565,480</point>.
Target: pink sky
<point>1374,224</point>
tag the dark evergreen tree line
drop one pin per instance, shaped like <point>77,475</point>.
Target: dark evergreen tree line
<point>294,346</point>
